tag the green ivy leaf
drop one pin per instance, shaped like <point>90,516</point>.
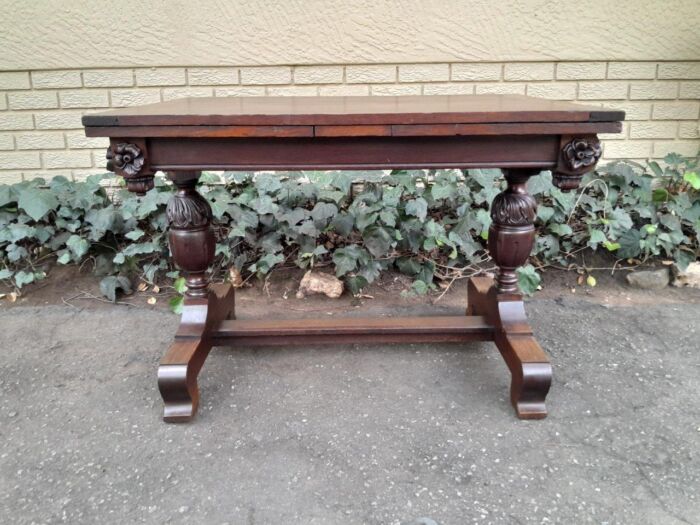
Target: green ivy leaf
<point>110,284</point>
<point>673,159</point>
<point>345,261</point>
<point>629,244</point>
<point>355,283</point>
<point>19,232</point>
<point>408,265</point>
<point>104,265</point>
<point>176,304</point>
<point>370,270</point>
<point>102,221</point>
<point>78,246</point>
<point>660,195</point>
<point>671,222</point>
<point>150,202</point>
<point>364,219</point>
<point>539,184</point>
<point>22,278</point>
<point>134,235</point>
<point>37,202</point>
<point>419,287</point>
<point>683,258</point>
<point>267,183</point>
<point>561,230</point>
<point>323,211</point>
<point>264,204</point>
<point>596,237</point>
<point>377,240</point>
<point>180,285</point>
<point>692,178</point>
<point>343,223</point>
<point>442,191</point>
<point>544,213</point>
<point>5,195</point>
<point>342,181</point>
<point>267,262</point>
<point>392,195</point>
<point>528,279</point>
<point>388,217</point>
<point>417,207</point>
<point>656,168</point>
<point>15,252</point>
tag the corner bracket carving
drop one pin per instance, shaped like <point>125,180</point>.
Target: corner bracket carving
<point>125,158</point>
<point>130,160</point>
<point>577,156</point>
<point>581,154</point>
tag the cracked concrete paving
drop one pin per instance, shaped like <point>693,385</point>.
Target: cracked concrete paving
<point>356,434</point>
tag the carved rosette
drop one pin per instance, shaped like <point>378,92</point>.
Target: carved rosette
<point>129,160</point>
<point>125,158</point>
<point>188,210</point>
<point>578,156</point>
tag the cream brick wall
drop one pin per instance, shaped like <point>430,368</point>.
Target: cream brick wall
<point>41,134</point>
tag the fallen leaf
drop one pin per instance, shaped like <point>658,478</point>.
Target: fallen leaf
<point>580,279</point>
<point>234,276</point>
<point>152,300</point>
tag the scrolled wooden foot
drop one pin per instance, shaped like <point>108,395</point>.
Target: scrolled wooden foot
<point>177,379</point>
<point>179,368</point>
<point>531,374</point>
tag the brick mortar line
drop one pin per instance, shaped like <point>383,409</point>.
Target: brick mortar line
<point>321,64</point>
<point>109,90</point>
<point>344,65</point>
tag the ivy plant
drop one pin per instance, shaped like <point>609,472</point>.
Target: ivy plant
<point>430,225</point>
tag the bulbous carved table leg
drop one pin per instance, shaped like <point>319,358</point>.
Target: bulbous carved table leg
<point>192,244</point>
<point>511,238</point>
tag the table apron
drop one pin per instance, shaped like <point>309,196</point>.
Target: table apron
<point>172,154</point>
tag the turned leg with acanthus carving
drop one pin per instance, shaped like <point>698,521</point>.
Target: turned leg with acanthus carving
<point>192,244</point>
<point>511,237</point>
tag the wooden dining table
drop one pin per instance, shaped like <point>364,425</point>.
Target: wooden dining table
<point>521,135</point>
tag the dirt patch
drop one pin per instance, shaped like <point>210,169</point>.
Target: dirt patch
<point>69,285</point>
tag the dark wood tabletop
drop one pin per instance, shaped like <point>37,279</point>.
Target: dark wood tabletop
<point>343,111</point>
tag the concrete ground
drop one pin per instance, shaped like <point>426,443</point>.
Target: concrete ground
<point>415,434</point>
